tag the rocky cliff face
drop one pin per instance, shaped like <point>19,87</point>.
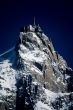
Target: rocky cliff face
<point>33,76</point>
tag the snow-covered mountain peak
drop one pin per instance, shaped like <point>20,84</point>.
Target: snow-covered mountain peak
<point>33,73</point>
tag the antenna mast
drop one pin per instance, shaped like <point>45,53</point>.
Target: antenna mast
<point>34,21</point>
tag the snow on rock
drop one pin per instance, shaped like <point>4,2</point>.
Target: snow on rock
<point>7,84</point>
<point>7,75</point>
<point>36,38</point>
<point>51,96</point>
<point>35,55</point>
<point>41,106</point>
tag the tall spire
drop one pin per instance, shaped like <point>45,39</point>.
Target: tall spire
<point>34,21</point>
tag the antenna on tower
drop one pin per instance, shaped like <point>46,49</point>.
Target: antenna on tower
<point>34,21</point>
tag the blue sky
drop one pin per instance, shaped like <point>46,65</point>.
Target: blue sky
<point>54,16</point>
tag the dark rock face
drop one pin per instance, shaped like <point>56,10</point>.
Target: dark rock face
<point>60,102</point>
<point>8,103</point>
<point>26,93</point>
<point>3,106</point>
<point>70,80</point>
